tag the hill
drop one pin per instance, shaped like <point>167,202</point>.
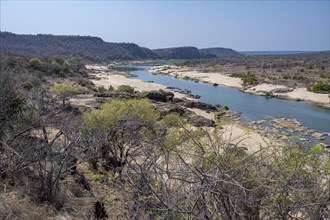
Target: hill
<point>178,53</point>
<point>94,49</point>
<point>194,53</point>
<point>87,48</point>
<point>219,52</point>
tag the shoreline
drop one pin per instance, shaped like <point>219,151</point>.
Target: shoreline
<point>252,134</point>
<point>115,79</point>
<point>215,78</point>
<point>234,131</point>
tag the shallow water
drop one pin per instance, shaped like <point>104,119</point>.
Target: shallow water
<point>252,107</point>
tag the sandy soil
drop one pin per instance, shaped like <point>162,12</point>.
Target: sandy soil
<point>302,93</point>
<point>110,78</point>
<point>236,133</point>
<point>212,78</point>
<point>264,88</point>
<point>221,79</point>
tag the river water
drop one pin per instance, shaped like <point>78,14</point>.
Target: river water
<point>252,107</point>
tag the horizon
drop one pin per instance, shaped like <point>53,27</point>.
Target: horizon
<point>241,26</point>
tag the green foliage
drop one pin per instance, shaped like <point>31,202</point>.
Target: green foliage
<point>125,88</point>
<point>188,78</point>
<point>109,113</point>
<point>64,90</point>
<point>173,120</point>
<point>319,87</point>
<point>27,85</point>
<point>248,79</point>
<point>59,60</point>
<point>60,66</point>
<point>101,89</point>
<point>162,91</point>
<point>36,63</point>
<point>268,94</point>
<point>111,66</point>
<point>84,82</point>
<point>298,77</point>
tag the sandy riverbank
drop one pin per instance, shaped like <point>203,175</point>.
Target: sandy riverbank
<point>221,79</point>
<point>115,79</point>
<point>211,78</point>
<point>231,132</point>
<point>300,94</point>
<point>236,133</point>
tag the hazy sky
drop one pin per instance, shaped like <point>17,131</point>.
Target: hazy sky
<point>241,25</point>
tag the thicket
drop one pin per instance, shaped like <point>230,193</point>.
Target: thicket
<point>247,78</point>
<point>163,167</point>
<point>320,87</point>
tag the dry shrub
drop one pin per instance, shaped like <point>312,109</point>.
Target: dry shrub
<point>13,206</point>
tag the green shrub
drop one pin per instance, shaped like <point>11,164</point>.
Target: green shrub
<point>319,87</point>
<point>248,79</point>
<point>101,89</point>
<point>27,85</point>
<point>36,63</point>
<point>125,88</point>
<point>162,91</point>
<point>63,91</point>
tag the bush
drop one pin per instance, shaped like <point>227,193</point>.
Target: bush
<point>36,63</point>
<point>27,85</point>
<point>319,87</point>
<point>101,89</point>
<point>248,79</point>
<point>64,90</point>
<point>125,88</point>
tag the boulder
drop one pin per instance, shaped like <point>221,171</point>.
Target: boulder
<point>200,105</point>
<point>160,96</point>
<point>165,109</point>
<point>200,121</point>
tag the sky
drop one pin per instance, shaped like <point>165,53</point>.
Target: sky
<point>240,25</point>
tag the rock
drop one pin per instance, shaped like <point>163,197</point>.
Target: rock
<point>200,121</point>
<point>121,95</point>
<point>281,90</point>
<point>215,84</point>
<point>165,109</point>
<point>160,96</point>
<point>200,105</point>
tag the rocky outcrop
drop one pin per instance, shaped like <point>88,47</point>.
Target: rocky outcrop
<point>200,121</point>
<point>160,96</point>
<point>168,108</point>
<point>200,105</point>
<point>118,95</point>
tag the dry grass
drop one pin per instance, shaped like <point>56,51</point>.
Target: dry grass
<point>14,206</point>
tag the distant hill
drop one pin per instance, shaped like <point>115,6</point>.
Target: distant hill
<point>272,52</point>
<point>85,47</point>
<point>186,53</point>
<point>194,53</point>
<point>94,49</point>
<point>218,52</point>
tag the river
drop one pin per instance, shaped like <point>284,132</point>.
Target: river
<point>252,107</point>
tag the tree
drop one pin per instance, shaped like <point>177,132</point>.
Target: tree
<point>63,91</point>
<point>115,133</point>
